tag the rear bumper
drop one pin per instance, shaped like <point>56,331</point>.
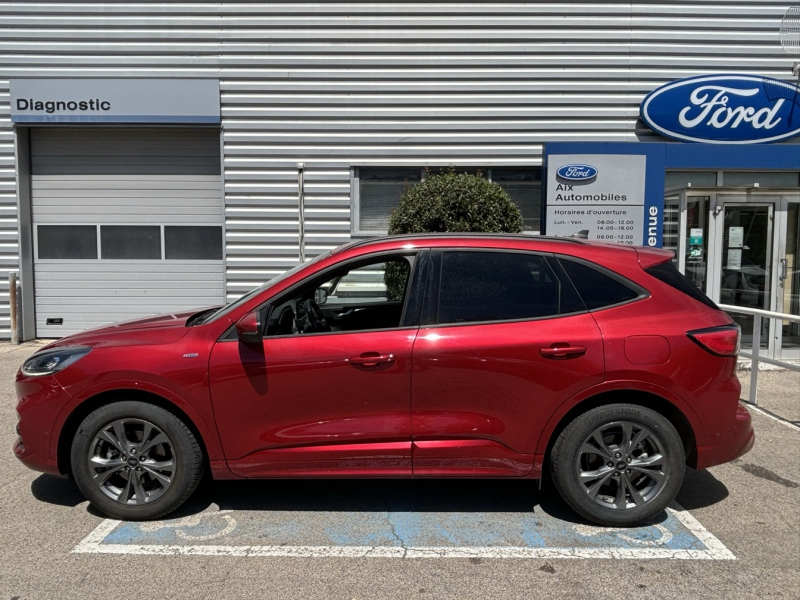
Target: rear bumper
<point>735,441</point>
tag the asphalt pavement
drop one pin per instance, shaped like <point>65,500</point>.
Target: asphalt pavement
<point>734,533</point>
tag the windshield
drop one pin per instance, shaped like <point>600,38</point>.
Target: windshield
<point>275,280</point>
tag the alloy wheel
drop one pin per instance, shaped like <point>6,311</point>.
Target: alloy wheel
<point>132,461</point>
<point>622,465</point>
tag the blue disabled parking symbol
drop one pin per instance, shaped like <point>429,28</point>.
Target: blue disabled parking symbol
<point>398,519</point>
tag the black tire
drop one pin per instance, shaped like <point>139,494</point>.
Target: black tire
<point>622,484</point>
<point>146,487</point>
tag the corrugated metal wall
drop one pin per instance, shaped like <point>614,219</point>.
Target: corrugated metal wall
<point>339,84</point>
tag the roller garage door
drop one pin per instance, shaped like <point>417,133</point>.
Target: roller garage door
<point>127,222</point>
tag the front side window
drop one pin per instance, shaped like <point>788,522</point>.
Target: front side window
<point>500,286</point>
<point>360,297</point>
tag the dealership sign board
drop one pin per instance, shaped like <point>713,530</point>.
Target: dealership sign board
<point>601,197</point>
<point>115,101</point>
<point>724,109</point>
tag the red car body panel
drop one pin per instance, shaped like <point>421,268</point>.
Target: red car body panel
<point>463,400</point>
<point>474,382</point>
<point>297,402</point>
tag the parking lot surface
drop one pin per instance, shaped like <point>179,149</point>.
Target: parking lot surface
<point>734,533</point>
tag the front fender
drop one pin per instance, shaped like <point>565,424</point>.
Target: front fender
<point>201,416</point>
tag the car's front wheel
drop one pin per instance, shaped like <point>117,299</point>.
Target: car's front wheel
<point>135,461</point>
<point>618,465</point>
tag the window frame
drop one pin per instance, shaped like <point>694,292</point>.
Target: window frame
<point>99,258</point>
<point>430,310</point>
<point>105,244</point>
<point>413,297</point>
<point>355,193</point>
<point>36,241</point>
<point>642,292</point>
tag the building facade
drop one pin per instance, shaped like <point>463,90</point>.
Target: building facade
<point>325,112</point>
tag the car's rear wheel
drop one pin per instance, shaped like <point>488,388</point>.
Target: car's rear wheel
<point>135,461</point>
<point>618,465</point>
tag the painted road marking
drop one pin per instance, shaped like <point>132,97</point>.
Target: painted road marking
<point>354,534</point>
<point>769,415</point>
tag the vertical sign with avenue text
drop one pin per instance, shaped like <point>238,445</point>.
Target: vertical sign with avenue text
<point>599,197</point>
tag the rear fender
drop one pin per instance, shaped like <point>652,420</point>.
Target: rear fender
<point>611,386</point>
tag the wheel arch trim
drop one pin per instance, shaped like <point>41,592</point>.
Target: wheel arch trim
<point>73,413</point>
<point>595,396</point>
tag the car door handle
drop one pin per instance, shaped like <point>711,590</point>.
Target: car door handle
<point>562,351</point>
<point>371,359</point>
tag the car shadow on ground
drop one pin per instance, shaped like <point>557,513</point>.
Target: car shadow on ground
<point>700,489</point>
<point>56,490</point>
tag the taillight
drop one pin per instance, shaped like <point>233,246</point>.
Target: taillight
<point>719,341</point>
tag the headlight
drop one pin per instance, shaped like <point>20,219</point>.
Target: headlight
<point>52,361</point>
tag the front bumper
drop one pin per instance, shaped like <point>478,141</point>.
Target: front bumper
<point>40,401</point>
<point>736,440</point>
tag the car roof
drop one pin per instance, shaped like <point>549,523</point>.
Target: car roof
<point>459,237</point>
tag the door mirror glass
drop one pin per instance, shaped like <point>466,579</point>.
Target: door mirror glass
<point>248,328</point>
<point>320,296</point>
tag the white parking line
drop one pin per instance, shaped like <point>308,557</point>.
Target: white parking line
<point>769,415</point>
<point>715,550</point>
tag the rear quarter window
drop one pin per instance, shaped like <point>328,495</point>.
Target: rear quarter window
<point>598,287</point>
<point>669,274</point>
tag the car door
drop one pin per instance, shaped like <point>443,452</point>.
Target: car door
<point>504,342</point>
<point>317,403</point>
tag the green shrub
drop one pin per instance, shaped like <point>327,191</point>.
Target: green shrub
<point>455,202</point>
<point>450,202</point>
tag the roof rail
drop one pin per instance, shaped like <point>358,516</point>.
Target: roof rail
<point>455,234</point>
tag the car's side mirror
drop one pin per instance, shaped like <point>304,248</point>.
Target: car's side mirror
<point>320,296</point>
<point>248,328</point>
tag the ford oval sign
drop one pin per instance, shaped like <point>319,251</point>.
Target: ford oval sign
<point>724,109</point>
<point>577,172</point>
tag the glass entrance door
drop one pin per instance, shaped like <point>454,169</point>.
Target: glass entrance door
<point>788,265</point>
<point>686,233</point>
<point>742,249</point>
<point>746,257</point>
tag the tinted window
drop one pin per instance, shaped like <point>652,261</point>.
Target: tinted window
<point>524,187</point>
<point>67,241</point>
<point>130,242</point>
<point>379,191</point>
<point>193,242</point>
<point>667,273</point>
<point>595,287</point>
<point>497,286</point>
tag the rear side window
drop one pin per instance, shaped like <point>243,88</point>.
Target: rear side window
<point>667,273</point>
<point>500,286</point>
<point>597,288</point>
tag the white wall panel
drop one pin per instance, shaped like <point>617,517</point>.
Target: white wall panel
<point>123,176</point>
<point>338,84</point>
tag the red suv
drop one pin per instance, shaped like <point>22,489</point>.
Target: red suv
<point>416,356</point>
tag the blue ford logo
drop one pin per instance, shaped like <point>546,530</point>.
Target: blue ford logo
<point>577,172</point>
<point>724,109</point>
